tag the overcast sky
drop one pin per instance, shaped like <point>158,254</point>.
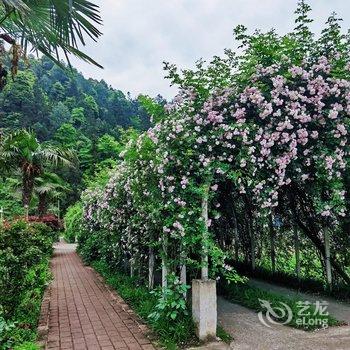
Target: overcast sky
<point>139,35</point>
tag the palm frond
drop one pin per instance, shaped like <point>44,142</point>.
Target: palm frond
<point>54,27</point>
<point>18,5</point>
<point>21,148</point>
<point>51,184</point>
<point>55,156</point>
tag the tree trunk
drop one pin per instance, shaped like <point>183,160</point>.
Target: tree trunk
<point>312,233</point>
<point>320,247</point>
<point>27,189</point>
<point>43,204</point>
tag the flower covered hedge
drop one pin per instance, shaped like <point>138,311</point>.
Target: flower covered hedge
<point>249,138</point>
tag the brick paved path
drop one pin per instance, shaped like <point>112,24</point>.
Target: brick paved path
<point>84,313</point>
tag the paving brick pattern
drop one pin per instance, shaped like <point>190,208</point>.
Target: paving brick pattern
<point>84,313</point>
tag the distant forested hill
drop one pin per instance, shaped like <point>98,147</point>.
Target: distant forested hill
<point>69,111</point>
<point>52,101</point>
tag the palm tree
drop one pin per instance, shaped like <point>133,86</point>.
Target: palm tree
<point>52,27</point>
<point>21,150</point>
<point>48,186</point>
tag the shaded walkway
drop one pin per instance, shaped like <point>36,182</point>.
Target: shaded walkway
<point>84,313</point>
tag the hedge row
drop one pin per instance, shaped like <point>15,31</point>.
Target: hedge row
<point>25,251</point>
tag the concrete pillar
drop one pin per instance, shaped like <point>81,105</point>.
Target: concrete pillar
<point>204,309</point>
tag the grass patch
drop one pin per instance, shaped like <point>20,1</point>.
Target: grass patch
<point>27,346</point>
<point>305,284</point>
<point>179,333</point>
<point>249,296</point>
<point>223,335</point>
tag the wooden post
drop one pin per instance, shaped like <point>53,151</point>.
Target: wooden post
<point>183,269</point>
<point>272,245</point>
<point>164,274</point>
<point>26,208</point>
<point>297,252</point>
<point>183,278</point>
<point>183,274</point>
<point>1,216</point>
<point>327,258</point>
<point>252,245</point>
<point>151,268</point>
<point>253,250</point>
<point>131,267</point>
<point>236,236</point>
<point>273,252</point>
<point>205,261</point>
<point>164,263</point>
<point>58,209</point>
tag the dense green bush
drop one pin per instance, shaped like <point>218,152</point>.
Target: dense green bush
<point>25,250</point>
<point>90,245</point>
<point>72,222</point>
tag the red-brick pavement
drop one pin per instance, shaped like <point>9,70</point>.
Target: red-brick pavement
<point>84,314</point>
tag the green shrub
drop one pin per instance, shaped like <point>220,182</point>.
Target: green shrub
<point>89,246</point>
<point>171,304</point>
<point>25,251</point>
<point>73,222</point>
<point>23,247</point>
<point>99,245</point>
<point>6,327</point>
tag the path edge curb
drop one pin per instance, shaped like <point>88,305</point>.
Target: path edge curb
<point>43,324</point>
